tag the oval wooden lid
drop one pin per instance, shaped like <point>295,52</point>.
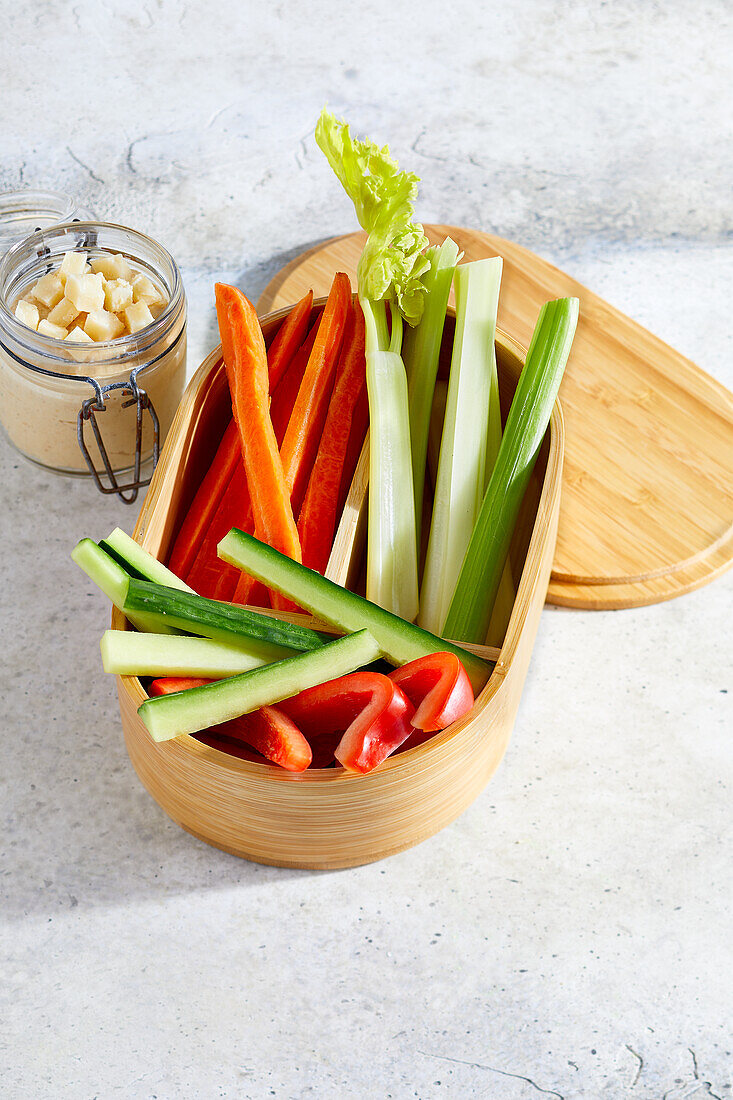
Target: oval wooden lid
<point>647,502</point>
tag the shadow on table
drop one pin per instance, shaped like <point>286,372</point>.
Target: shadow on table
<point>77,828</point>
<point>253,280</point>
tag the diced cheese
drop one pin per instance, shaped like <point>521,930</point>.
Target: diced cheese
<point>27,313</point>
<point>46,328</point>
<point>117,295</point>
<point>144,290</point>
<point>101,325</point>
<point>49,289</point>
<point>74,263</point>
<point>156,308</point>
<point>78,336</point>
<point>83,354</point>
<point>63,313</point>
<point>85,291</point>
<point>138,316</point>
<point>112,267</point>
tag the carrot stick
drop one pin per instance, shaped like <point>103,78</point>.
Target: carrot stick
<point>318,516</point>
<point>298,451</point>
<point>222,500</point>
<point>248,590</point>
<point>288,339</point>
<point>205,503</point>
<point>245,358</point>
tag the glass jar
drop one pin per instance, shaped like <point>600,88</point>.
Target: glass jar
<point>90,408</point>
<point>25,212</point>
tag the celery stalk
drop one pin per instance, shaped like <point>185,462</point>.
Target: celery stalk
<point>435,431</point>
<point>421,351</point>
<point>461,477</point>
<point>470,610</point>
<point>391,269</point>
<point>504,603</point>
<point>391,546</point>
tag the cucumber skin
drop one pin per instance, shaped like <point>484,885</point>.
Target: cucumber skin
<point>222,622</point>
<point>400,641</point>
<point>140,563</point>
<point>112,579</point>
<point>169,716</point>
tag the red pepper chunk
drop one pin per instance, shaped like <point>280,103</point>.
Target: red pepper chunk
<point>373,712</point>
<point>438,687</point>
<point>268,730</point>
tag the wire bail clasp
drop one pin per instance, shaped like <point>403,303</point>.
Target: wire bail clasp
<point>88,415</point>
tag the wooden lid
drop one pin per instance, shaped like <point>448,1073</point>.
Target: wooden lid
<point>647,504</point>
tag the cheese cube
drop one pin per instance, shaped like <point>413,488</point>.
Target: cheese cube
<point>27,313</point>
<point>101,325</point>
<point>117,295</point>
<point>78,336</point>
<point>46,328</point>
<point>85,291</point>
<point>138,316</point>
<point>144,290</point>
<point>73,263</point>
<point>156,308</point>
<point>49,289</point>
<point>63,313</point>
<point>112,267</point>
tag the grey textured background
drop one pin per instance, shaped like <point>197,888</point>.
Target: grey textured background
<point>570,935</point>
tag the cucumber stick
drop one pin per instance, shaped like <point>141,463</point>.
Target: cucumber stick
<point>223,622</point>
<point>399,641</point>
<point>461,477</point>
<point>138,562</point>
<point>168,716</point>
<point>114,582</point>
<point>127,653</point>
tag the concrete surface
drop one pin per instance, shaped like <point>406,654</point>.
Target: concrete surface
<point>570,935</point>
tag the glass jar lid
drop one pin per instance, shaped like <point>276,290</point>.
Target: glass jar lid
<point>24,212</point>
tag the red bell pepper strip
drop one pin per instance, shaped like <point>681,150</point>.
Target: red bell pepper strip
<point>320,510</point>
<point>373,712</point>
<point>268,730</point>
<point>299,447</point>
<point>245,358</point>
<point>438,687</point>
<point>209,575</point>
<point>205,503</point>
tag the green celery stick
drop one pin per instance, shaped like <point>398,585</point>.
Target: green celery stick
<point>421,352</point>
<point>470,610</point>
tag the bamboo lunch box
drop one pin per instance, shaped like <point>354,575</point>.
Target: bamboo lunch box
<point>330,818</point>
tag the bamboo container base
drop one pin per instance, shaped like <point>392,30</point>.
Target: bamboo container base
<point>329,818</point>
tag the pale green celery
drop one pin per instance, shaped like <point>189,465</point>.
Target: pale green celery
<point>435,431</point>
<point>391,269</point>
<point>391,545</point>
<point>461,477</point>
<point>421,351</point>
<point>473,600</point>
<point>114,582</point>
<point>505,597</point>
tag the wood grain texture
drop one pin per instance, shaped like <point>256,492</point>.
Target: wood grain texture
<point>329,818</point>
<point>647,504</point>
